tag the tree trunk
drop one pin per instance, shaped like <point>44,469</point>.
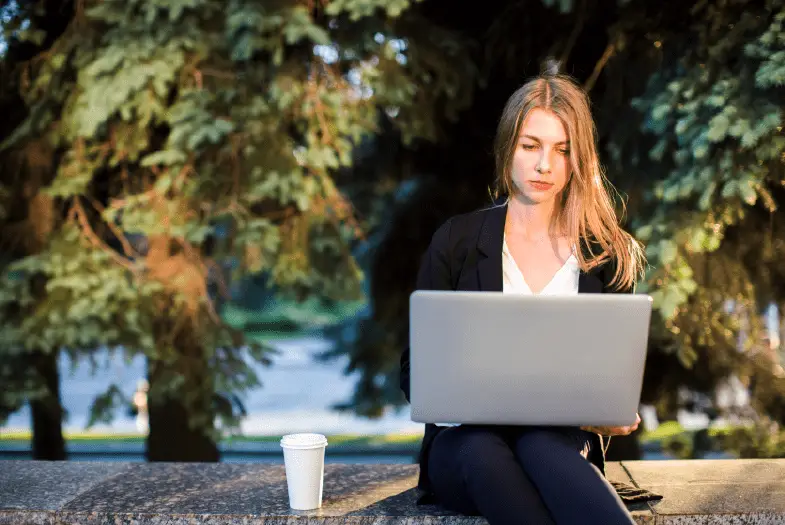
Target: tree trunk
<point>171,437</point>
<point>47,412</point>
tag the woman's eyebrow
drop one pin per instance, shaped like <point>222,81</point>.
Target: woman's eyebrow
<point>532,137</point>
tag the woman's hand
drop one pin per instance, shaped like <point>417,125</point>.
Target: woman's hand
<point>615,431</point>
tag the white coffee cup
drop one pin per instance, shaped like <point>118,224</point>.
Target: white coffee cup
<point>303,456</point>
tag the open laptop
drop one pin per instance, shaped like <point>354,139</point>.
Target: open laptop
<point>495,358</point>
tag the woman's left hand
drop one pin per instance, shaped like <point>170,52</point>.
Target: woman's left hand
<point>615,431</point>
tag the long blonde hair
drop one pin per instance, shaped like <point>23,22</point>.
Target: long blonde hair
<point>587,205</point>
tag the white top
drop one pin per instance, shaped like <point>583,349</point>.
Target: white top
<point>563,282</point>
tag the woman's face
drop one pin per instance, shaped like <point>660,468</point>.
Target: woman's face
<point>541,163</point>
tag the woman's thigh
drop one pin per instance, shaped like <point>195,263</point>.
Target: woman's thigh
<point>572,488</point>
<point>446,466</point>
<point>473,470</point>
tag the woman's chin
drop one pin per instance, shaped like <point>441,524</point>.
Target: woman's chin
<point>534,197</point>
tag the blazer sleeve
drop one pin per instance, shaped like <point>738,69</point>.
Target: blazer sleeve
<point>434,274</point>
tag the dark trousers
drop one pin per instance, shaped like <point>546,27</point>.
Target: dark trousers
<point>516,475</point>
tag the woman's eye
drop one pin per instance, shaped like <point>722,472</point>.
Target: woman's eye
<point>529,147</point>
<point>564,151</point>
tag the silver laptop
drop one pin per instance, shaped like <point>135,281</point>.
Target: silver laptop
<point>495,358</point>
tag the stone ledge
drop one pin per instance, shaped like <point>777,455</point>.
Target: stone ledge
<point>695,492</point>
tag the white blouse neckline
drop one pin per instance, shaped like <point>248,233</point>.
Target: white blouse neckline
<point>563,282</point>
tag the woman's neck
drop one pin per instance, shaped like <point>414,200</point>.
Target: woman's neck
<point>532,221</point>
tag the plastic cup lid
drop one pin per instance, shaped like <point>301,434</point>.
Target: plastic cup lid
<point>303,441</point>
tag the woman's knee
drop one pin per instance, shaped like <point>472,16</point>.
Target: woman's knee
<point>462,461</point>
<point>474,450</point>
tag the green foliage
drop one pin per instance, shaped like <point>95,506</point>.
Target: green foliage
<point>702,175</point>
<point>764,439</point>
<point>197,143</point>
<point>717,115</point>
<point>357,9</point>
<point>88,301</point>
<point>105,404</point>
<point>566,6</point>
<point>679,446</point>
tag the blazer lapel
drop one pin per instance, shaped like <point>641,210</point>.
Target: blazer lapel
<point>489,246</point>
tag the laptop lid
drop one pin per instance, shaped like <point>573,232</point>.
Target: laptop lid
<point>495,358</point>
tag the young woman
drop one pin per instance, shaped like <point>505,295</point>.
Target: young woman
<point>553,230</point>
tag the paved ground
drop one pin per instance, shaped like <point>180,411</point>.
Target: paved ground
<point>695,492</point>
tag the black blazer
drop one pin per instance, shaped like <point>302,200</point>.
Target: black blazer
<point>466,254</point>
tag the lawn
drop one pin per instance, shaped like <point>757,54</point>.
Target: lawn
<point>384,441</point>
<point>666,431</point>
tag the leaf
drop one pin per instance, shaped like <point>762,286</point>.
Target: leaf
<point>748,193</point>
<point>707,196</point>
<point>670,192</point>
<point>167,157</point>
<point>718,128</point>
<point>657,152</point>
<point>700,149</point>
<point>697,240</point>
<point>739,127</point>
<point>105,404</point>
<point>163,183</point>
<point>715,101</point>
<point>668,251</point>
<point>36,36</point>
<point>689,286</point>
<point>644,232</point>
<point>669,304</point>
<point>730,189</point>
<point>713,242</point>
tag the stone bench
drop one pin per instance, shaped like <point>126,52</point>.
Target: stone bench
<point>695,492</point>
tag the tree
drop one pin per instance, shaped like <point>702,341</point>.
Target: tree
<point>26,375</point>
<point>716,110</point>
<point>177,146</point>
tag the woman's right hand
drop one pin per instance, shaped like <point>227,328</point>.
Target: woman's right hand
<point>615,431</point>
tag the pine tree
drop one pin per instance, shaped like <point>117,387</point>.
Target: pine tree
<point>170,147</point>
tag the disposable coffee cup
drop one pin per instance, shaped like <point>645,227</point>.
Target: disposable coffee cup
<point>303,456</point>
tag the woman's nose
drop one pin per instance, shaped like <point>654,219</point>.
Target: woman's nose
<point>544,164</point>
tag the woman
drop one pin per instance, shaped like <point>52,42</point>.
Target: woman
<point>553,230</point>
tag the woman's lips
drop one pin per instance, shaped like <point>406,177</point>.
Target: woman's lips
<point>538,185</point>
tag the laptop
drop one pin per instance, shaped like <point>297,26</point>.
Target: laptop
<point>510,359</point>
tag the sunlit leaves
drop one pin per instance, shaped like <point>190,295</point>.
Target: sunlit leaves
<point>196,141</point>
<point>362,8</point>
<point>719,129</point>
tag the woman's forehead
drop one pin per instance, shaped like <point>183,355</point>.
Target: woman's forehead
<point>543,126</point>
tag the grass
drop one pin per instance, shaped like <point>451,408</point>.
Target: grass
<point>397,439</point>
<point>75,436</point>
<point>391,440</point>
<point>666,430</point>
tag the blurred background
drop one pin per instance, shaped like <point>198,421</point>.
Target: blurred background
<point>212,212</point>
